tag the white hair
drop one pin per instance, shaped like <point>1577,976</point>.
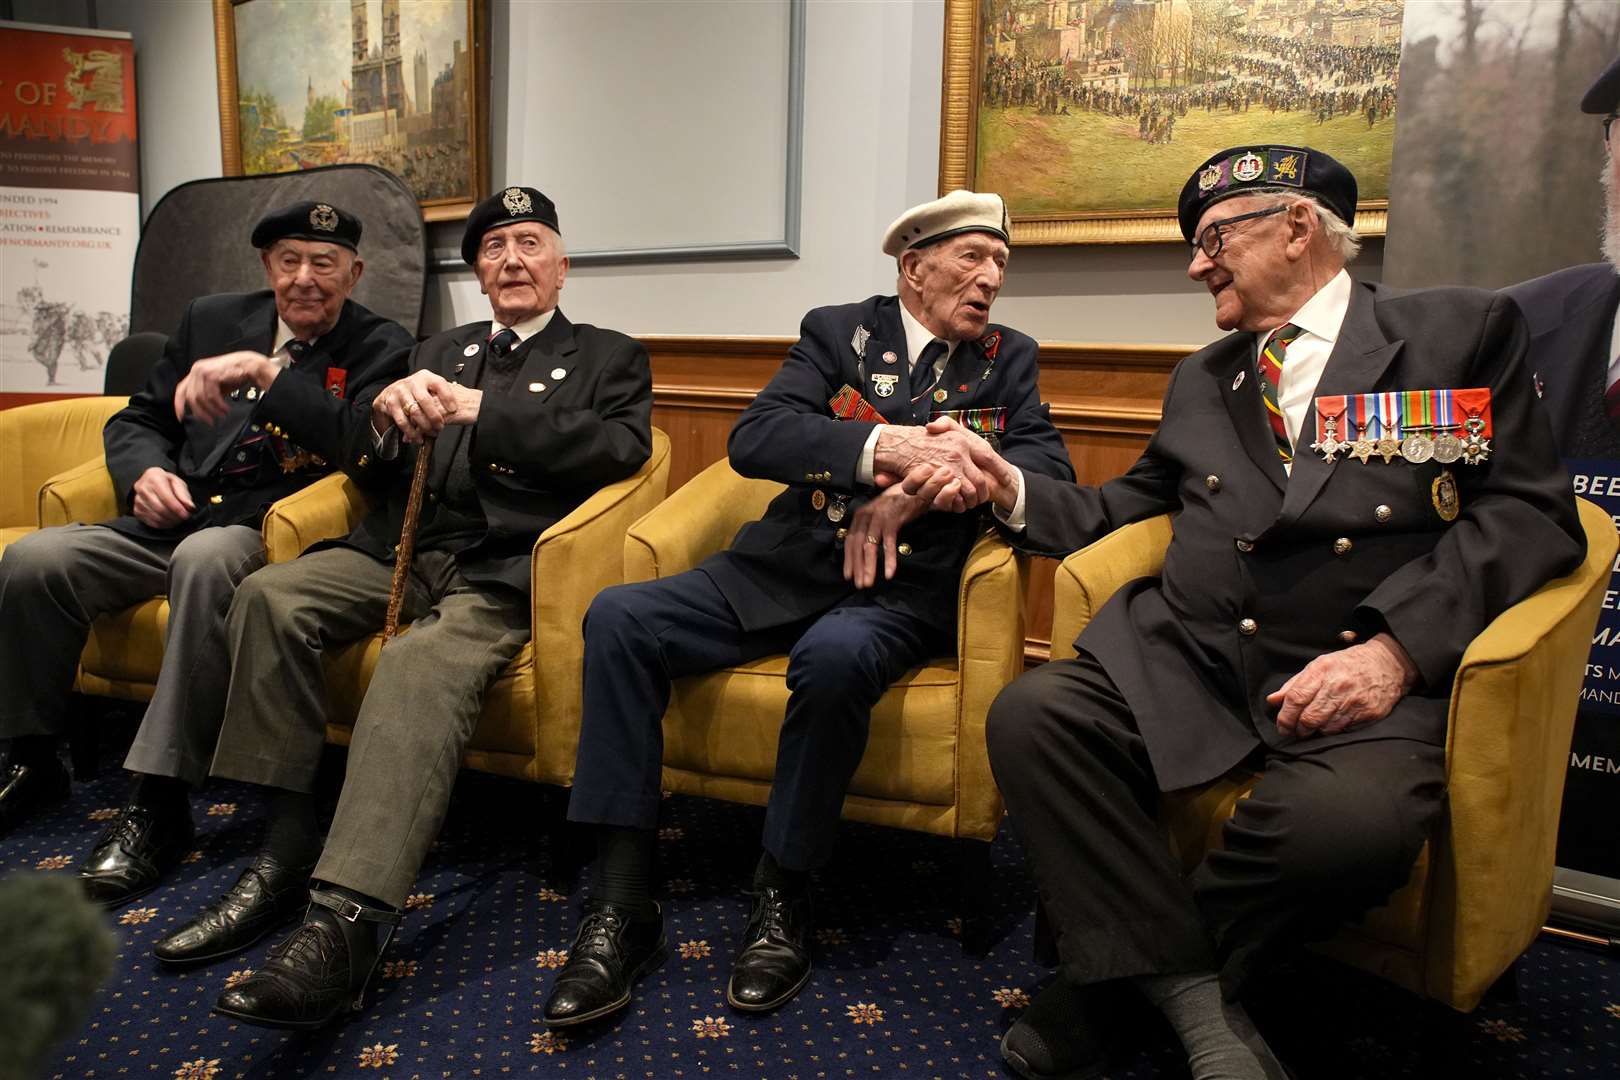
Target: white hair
<point>1341,237</point>
<point>1611,211</point>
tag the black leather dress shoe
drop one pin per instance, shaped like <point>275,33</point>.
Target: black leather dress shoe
<point>27,789</point>
<point>612,950</point>
<point>774,963</point>
<point>133,854</point>
<point>265,896</point>
<point>314,975</point>
<point>1055,1039</point>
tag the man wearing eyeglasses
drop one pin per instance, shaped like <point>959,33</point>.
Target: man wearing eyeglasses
<point>1574,343</point>
<point>1341,533</point>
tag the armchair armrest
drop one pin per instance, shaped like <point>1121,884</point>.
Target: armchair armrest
<point>568,570</point>
<point>326,509</point>
<point>83,493</point>
<point>1513,708</point>
<point>37,442</point>
<point>990,654</point>
<point>1085,580</point>
<point>695,521</point>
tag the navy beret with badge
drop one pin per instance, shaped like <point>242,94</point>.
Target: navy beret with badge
<point>1241,170</point>
<point>1603,95</point>
<point>506,207</point>
<point>317,221</point>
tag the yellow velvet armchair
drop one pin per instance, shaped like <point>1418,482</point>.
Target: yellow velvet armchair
<point>926,767</point>
<point>530,726</point>
<point>36,443</point>
<point>1482,886</point>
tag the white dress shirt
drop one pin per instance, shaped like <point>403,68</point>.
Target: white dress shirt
<point>1614,353</point>
<point>1320,319</point>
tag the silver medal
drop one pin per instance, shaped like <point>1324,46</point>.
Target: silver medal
<point>1417,448</point>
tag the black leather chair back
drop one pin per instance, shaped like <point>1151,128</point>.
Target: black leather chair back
<point>131,360</point>
<point>195,241</point>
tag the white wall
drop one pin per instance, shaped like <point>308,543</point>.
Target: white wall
<point>871,148</point>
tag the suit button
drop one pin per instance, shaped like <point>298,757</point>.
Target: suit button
<point>1342,546</point>
<point>1245,546</point>
<point>216,499</point>
<point>1347,636</point>
<point>1248,627</point>
<point>494,467</point>
<point>1212,482</point>
<point>364,460</point>
<point>904,549</point>
<point>1382,512</point>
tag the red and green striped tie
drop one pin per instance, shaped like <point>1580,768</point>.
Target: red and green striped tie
<point>1271,369</point>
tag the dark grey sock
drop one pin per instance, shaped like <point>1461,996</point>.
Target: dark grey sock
<point>623,870</point>
<point>293,836</point>
<point>165,796</point>
<point>1220,1039</point>
<point>770,873</point>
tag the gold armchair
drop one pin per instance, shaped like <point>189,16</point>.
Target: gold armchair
<point>1482,886</point>
<point>530,726</point>
<point>38,442</point>
<point>926,767</point>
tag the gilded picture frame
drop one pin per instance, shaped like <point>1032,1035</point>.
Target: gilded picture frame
<point>1148,219</point>
<point>414,103</point>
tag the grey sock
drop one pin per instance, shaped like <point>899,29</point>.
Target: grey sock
<point>1220,1039</point>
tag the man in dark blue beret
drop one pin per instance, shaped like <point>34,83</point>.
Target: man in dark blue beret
<point>530,415</point>
<point>255,397</point>
<point>1359,481</point>
<point>1574,344</point>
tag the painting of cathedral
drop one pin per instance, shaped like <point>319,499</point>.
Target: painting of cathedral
<point>306,83</point>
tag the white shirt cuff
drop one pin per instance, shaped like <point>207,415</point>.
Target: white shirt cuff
<point>863,468</point>
<point>1014,518</point>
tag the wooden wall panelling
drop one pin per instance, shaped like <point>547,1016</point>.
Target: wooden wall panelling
<point>1105,400</point>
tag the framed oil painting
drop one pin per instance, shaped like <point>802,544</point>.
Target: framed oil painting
<point>403,84</point>
<point>1087,116</point>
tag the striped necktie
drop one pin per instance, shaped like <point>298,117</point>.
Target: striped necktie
<point>922,372</point>
<point>1271,368</point>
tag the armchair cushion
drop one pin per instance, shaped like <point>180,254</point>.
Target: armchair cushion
<point>39,441</point>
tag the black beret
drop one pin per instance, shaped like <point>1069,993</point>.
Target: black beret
<point>308,221</point>
<point>1241,169</point>
<point>1603,95</point>
<point>506,207</point>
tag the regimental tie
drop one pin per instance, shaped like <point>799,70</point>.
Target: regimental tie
<point>298,351</point>
<point>1271,369</point>
<point>503,342</point>
<point>922,372</point>
<point>246,455</point>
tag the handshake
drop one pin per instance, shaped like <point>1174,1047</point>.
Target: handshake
<point>944,464</point>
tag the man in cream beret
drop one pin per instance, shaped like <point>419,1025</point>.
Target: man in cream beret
<point>857,582</point>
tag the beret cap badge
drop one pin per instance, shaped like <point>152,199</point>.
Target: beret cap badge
<point>323,217</point>
<point>1209,178</point>
<point>1248,167</point>
<point>517,201</point>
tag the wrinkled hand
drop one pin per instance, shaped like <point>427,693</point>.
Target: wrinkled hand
<point>942,488</point>
<point>421,404</point>
<point>1345,689</point>
<point>202,393</point>
<point>880,519</point>
<point>942,451</point>
<point>162,499</point>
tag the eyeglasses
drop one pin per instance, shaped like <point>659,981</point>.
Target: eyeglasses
<point>1213,238</point>
<point>1607,120</point>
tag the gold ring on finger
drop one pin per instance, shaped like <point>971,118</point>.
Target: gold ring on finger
<point>412,407</point>
<point>870,539</point>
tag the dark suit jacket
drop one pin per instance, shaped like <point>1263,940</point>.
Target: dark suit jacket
<point>369,348</point>
<point>1194,681</point>
<point>789,564</point>
<point>1571,317</point>
<point>535,454</point>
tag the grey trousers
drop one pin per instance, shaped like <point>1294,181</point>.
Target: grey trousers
<point>55,582</point>
<point>421,708</point>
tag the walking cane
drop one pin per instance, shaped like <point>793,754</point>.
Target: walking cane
<point>407,541</point>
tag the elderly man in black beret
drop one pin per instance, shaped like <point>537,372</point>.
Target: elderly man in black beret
<point>1574,346</point>
<point>530,414</point>
<point>255,396</point>
<point>856,584</point>
<point>1360,480</point>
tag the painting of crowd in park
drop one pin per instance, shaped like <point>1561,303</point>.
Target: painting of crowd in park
<point>375,81</point>
<point>1100,107</point>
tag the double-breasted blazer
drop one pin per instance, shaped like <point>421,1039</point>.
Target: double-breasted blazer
<point>1571,316</point>
<point>578,415</point>
<point>1267,571</point>
<point>788,565</point>
<point>368,350</point>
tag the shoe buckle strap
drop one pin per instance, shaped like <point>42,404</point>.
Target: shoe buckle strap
<point>347,909</point>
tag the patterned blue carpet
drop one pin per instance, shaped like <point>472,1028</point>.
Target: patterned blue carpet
<point>892,995</point>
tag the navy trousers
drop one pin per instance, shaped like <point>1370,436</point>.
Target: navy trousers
<point>640,637</point>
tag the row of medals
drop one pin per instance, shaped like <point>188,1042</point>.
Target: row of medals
<point>836,507</point>
<point>1471,448</point>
